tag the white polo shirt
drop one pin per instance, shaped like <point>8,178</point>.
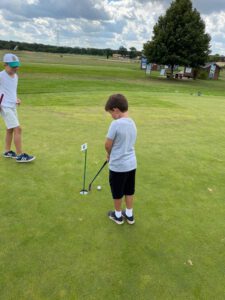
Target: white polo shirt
<point>8,87</point>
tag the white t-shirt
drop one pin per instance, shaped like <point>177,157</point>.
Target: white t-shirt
<point>8,87</point>
<point>123,132</point>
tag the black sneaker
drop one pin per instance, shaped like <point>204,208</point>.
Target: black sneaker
<point>130,220</point>
<point>24,158</point>
<point>112,216</point>
<point>9,154</point>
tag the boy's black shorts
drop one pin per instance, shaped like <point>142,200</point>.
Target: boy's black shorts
<point>122,183</point>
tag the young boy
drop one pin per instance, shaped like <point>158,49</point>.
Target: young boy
<point>119,146</point>
<point>8,102</point>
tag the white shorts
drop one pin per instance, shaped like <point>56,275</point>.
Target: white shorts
<point>10,117</point>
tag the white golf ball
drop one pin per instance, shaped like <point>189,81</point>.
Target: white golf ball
<point>99,188</point>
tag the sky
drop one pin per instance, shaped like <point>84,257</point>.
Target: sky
<point>98,23</point>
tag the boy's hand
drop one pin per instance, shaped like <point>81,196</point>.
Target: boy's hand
<point>18,101</point>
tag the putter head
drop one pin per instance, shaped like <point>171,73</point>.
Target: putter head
<point>89,188</point>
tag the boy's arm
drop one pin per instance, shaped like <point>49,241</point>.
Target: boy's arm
<point>108,147</point>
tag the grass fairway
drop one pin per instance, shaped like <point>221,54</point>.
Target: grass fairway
<point>57,244</point>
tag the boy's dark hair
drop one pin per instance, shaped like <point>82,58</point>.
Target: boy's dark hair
<point>117,101</point>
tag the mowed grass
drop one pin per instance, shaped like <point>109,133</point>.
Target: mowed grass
<point>57,244</point>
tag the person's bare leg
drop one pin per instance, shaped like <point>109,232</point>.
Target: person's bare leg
<point>18,139</point>
<point>8,139</point>
<point>129,201</point>
<point>116,215</point>
<point>129,209</point>
<point>117,204</point>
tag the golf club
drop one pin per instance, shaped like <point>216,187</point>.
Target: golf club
<point>89,188</point>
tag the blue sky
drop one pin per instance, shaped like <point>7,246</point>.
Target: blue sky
<point>98,23</point>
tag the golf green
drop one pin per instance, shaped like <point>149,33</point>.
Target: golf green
<point>58,244</point>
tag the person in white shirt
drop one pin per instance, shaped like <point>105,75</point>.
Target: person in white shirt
<point>8,110</point>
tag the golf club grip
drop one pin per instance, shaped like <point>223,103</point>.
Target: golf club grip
<point>1,98</point>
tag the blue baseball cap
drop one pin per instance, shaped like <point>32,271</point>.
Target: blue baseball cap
<point>12,60</point>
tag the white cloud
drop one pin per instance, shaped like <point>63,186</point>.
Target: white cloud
<point>215,24</point>
<point>98,23</point>
<point>31,2</point>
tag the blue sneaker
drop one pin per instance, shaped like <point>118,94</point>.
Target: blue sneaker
<point>9,154</point>
<point>130,220</point>
<point>24,158</point>
<point>112,216</point>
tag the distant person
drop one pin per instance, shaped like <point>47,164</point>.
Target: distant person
<point>8,111</point>
<point>119,146</point>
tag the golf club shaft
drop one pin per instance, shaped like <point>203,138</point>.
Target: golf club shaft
<point>97,174</point>
<point>1,98</point>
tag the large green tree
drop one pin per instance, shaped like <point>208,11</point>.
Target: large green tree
<point>133,52</point>
<point>122,51</point>
<point>179,37</point>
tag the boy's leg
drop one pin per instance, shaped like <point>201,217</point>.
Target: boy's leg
<point>8,139</point>
<point>130,189</point>
<point>18,139</point>
<point>116,215</point>
<point>129,197</point>
<point>13,128</point>
<point>117,204</point>
<point>116,184</point>
<point>128,212</point>
<point>129,201</point>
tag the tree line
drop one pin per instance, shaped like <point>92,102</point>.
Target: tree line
<point>123,51</point>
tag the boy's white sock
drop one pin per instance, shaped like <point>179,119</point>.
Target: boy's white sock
<point>129,212</point>
<point>118,214</point>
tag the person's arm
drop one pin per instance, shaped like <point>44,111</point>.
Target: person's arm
<point>108,147</point>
